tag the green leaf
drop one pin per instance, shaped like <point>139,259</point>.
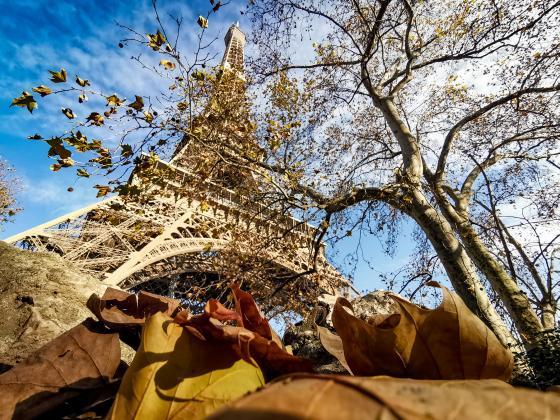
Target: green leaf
<point>176,375</point>
<point>138,103</point>
<point>202,22</point>
<point>83,173</point>
<point>42,90</point>
<point>25,100</point>
<point>82,82</point>
<point>168,65</point>
<point>69,113</point>
<point>58,76</point>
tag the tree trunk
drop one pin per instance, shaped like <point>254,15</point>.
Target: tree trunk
<point>459,267</point>
<point>549,315</point>
<point>515,300</point>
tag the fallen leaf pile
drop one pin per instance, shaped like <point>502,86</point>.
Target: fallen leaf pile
<point>229,363</point>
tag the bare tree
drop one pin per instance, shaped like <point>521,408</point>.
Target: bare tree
<point>441,111</point>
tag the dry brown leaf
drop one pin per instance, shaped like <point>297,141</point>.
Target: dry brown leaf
<point>271,357</point>
<point>117,308</point>
<point>84,358</point>
<point>333,344</point>
<point>346,397</point>
<point>251,316</point>
<point>448,342</point>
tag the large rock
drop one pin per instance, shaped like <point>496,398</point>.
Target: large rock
<point>41,296</point>
<point>304,340</point>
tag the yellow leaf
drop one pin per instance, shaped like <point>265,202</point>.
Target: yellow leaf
<point>82,98</point>
<point>138,103</point>
<point>156,40</point>
<point>42,90</point>
<point>83,173</point>
<point>148,116</point>
<point>102,190</point>
<point>82,82</point>
<point>176,375</point>
<point>69,113</point>
<point>168,65</point>
<point>58,76</point>
<point>202,22</point>
<point>25,100</point>
<point>114,100</point>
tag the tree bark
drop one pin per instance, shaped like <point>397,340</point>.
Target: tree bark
<point>515,300</point>
<point>458,266</point>
<point>548,315</point>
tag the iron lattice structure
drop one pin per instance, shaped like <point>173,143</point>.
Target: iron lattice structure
<point>173,244</point>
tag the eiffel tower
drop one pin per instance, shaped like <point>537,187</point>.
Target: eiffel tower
<point>174,245</point>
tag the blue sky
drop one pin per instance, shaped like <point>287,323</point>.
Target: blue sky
<point>82,37</point>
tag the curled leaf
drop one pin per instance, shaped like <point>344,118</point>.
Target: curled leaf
<point>82,82</point>
<point>69,113</point>
<point>58,76</point>
<point>42,90</point>
<point>448,342</point>
<point>148,116</point>
<point>168,65</point>
<point>118,309</point>
<point>82,173</point>
<point>202,22</point>
<point>66,163</point>
<point>25,100</point>
<point>82,98</point>
<point>35,137</point>
<point>102,190</point>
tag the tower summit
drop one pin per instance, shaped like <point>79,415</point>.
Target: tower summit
<point>235,45</point>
